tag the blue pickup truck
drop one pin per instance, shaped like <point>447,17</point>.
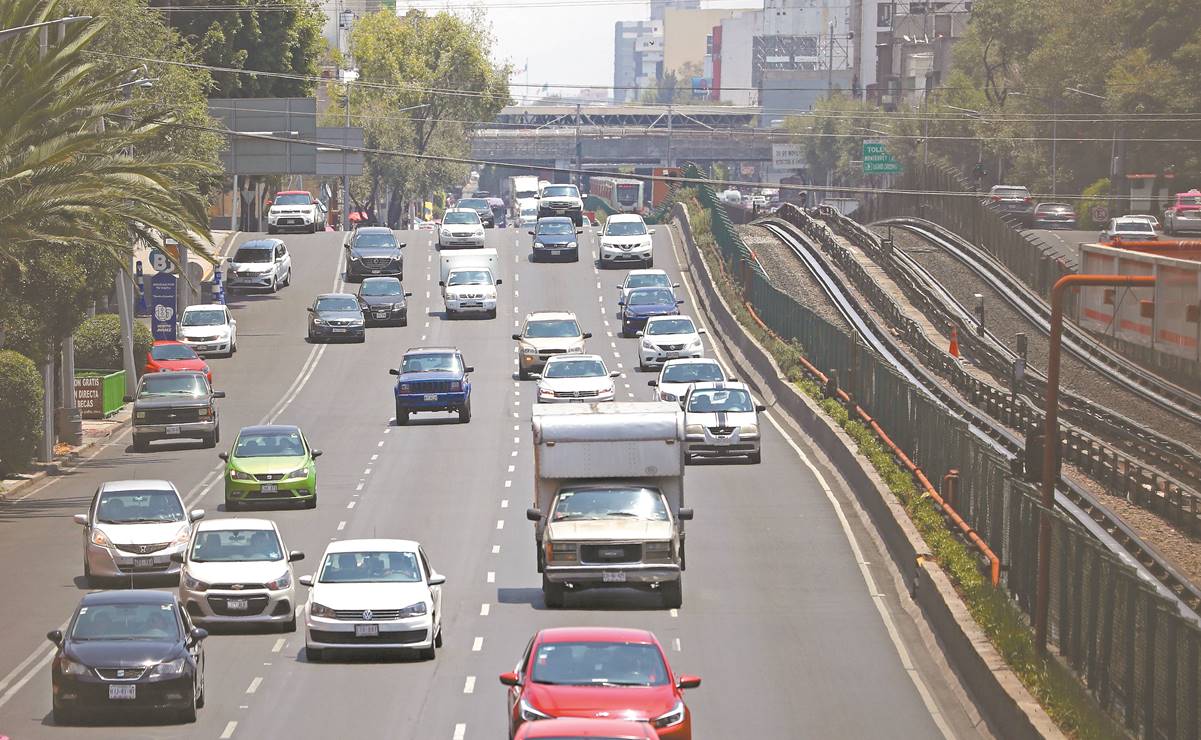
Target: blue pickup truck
<point>432,379</point>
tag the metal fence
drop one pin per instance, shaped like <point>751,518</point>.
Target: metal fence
<point>1126,643</point>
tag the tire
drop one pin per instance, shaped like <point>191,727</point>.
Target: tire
<point>523,374</point>
<point>650,262</point>
<point>465,413</point>
<point>311,338</point>
<point>492,314</point>
<point>438,637</point>
<point>402,416</point>
<point>672,593</point>
<point>140,445</point>
<point>404,321</point>
<point>209,441</point>
<point>217,435</point>
<point>362,338</point>
<point>288,278</point>
<point>756,458</point>
<point>231,505</point>
<point>641,367</point>
<point>272,230</point>
<point>64,717</point>
<point>200,699</point>
<point>311,503</point>
<point>313,228</point>
<point>187,715</point>
<point>540,557</point>
<point>428,653</point>
<point>552,593</point>
<point>312,654</point>
<point>275,285</point>
<point>290,625</point>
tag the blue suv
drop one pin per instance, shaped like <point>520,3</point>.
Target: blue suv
<point>555,237</point>
<point>640,304</point>
<point>432,379</point>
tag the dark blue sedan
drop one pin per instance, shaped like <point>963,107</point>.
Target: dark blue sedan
<point>555,237</point>
<point>432,379</point>
<point>642,303</point>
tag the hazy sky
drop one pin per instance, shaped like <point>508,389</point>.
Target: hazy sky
<point>567,42</point>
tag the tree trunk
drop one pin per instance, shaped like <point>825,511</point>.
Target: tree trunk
<point>394,208</point>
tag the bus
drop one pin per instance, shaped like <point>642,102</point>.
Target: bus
<point>621,195</point>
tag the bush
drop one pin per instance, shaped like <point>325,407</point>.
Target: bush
<point>1096,194</point>
<point>98,343</point>
<point>21,409</point>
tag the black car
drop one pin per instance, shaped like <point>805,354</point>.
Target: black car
<point>482,207</point>
<point>1012,200</point>
<point>383,301</point>
<point>124,650</point>
<point>1052,215</point>
<point>555,238</point>
<point>173,405</point>
<point>374,251</point>
<point>337,316</point>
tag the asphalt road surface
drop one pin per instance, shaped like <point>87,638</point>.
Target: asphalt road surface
<point>788,615</point>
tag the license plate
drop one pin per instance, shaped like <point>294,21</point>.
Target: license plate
<point>366,630</point>
<point>269,488</point>
<point>123,691</point>
<point>431,396</point>
<point>143,562</point>
<point>610,576</point>
<point>376,272</point>
<point>672,355</point>
<point>237,604</point>
<point>173,429</point>
<point>471,304</point>
<point>381,314</point>
<point>555,252</point>
<point>339,331</point>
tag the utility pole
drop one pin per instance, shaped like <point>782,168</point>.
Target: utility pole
<point>346,225</point>
<point>671,162</point>
<point>1054,145</point>
<point>579,155</point>
<point>830,64</point>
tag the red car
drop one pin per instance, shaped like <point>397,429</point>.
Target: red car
<point>586,729</point>
<point>598,672</point>
<point>167,355</point>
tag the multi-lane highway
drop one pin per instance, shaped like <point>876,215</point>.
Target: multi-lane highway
<point>789,615</point>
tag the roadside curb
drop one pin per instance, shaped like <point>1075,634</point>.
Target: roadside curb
<point>74,457</point>
<point>1009,709</point>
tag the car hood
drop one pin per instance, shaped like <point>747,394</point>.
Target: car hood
<point>381,300</point>
<point>631,702</point>
<point>252,266</point>
<point>142,533</point>
<point>218,330</point>
<point>263,465</point>
<point>485,288</point>
<point>602,383</point>
<point>554,239</point>
<point>676,389</point>
<point>415,377</point>
<point>390,252</point>
<point>655,309</point>
<point>618,528</point>
<point>723,418</point>
<point>674,338</point>
<point>327,315</point>
<point>288,207</point>
<point>170,402</point>
<point>370,595</point>
<point>632,238</point>
<point>196,364</point>
<point>243,572</point>
<point>122,653</point>
<point>559,343</point>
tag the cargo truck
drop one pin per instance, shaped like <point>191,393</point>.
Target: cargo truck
<point>468,282</point>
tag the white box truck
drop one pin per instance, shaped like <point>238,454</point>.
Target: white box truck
<point>609,498</point>
<point>522,198</point>
<point>468,282</point>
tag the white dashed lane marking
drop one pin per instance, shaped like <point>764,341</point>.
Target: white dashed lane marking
<point>491,577</point>
<point>460,731</point>
<point>254,685</point>
<point>477,645</point>
<point>485,609</point>
<point>469,685</point>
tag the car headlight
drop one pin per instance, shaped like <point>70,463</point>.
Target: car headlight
<point>526,350</point>
<point>100,538</point>
<point>529,714</point>
<point>280,583</point>
<point>669,397</point>
<point>140,415</point>
<point>205,369</point>
<point>239,475</point>
<point>670,719</point>
<point>694,429</point>
<point>193,584</point>
<point>71,668</point>
<point>572,245</point>
<point>658,549</point>
<point>695,343</point>
<point>320,610</point>
<point>181,537</point>
<point>356,322</point>
<point>170,668</point>
<point>748,430</point>
<point>456,386</point>
<point>413,610</point>
<point>202,411</point>
<point>404,388</point>
<point>354,258</point>
<point>647,344</point>
<point>298,473</point>
<point>562,551</point>
<point>319,322</point>
<point>545,392</point>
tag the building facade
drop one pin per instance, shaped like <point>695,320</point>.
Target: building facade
<point>637,58</point>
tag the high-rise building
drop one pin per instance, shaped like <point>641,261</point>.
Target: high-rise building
<point>637,58</point>
<point>659,6</point>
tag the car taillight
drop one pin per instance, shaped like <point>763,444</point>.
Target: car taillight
<point>996,198</point>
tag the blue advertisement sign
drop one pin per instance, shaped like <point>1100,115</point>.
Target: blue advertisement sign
<point>140,280</point>
<point>162,305</point>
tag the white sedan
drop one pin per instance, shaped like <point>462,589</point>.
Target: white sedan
<point>678,376</point>
<point>209,329</point>
<point>373,595</point>
<point>721,420</point>
<point>668,338</point>
<point>575,378</point>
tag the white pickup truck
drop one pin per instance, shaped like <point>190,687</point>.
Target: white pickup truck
<point>468,282</point>
<point>609,498</point>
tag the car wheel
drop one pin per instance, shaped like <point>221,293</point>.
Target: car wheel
<point>312,654</point>
<point>672,593</point>
<point>642,367</point>
<point>63,717</point>
<point>288,277</point>
<point>313,228</point>
<point>552,593</point>
<point>187,715</point>
<point>231,505</point>
<point>428,653</point>
<point>650,262</point>
<point>209,441</point>
<point>290,625</point>
<point>311,503</point>
<point>465,413</point>
<point>402,417</point>
<point>200,699</point>
<point>492,314</point>
<point>756,458</point>
<point>140,444</point>
<point>272,230</point>
<point>523,374</point>
<point>275,285</point>
<point>438,637</point>
<point>404,321</point>
<point>363,338</point>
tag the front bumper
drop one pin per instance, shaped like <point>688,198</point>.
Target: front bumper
<point>112,562</point>
<point>356,270</point>
<point>415,402</point>
<point>555,251</point>
<point>218,346</point>
<point>188,430</point>
<point>455,242</point>
<point>338,332</point>
<point>413,633</point>
<point>633,254</point>
<point>590,576</point>
<point>599,398</point>
<point>260,280</point>
<point>90,692</point>
<point>263,606</point>
<point>712,445</point>
<point>471,305</point>
<point>386,315</point>
<point>659,356</point>
<point>251,492</point>
<point>290,220</point>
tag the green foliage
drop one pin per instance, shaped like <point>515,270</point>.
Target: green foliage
<point>98,343</point>
<point>675,87</point>
<point>1096,194</point>
<point>21,408</point>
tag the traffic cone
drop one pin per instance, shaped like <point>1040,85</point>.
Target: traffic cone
<point>954,342</point>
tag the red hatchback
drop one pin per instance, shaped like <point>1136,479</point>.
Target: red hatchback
<point>598,672</point>
<point>165,355</point>
<point>586,729</point>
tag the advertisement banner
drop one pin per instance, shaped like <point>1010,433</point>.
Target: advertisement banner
<point>162,305</point>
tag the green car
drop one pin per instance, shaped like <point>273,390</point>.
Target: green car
<point>270,464</point>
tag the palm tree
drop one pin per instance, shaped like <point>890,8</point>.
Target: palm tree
<point>69,164</point>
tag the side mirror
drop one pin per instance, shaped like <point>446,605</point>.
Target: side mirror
<point>197,634</point>
<point>305,580</point>
<point>393,371</point>
<point>653,383</point>
<point>403,245</point>
<point>218,394</point>
<point>317,453</point>
<point>689,682</point>
<point>517,337</point>
<point>531,233</point>
<point>587,335</point>
<point>55,636</point>
<point>621,302</point>
<point>224,456</point>
<point>468,369</point>
<point>510,679</point>
<point>295,556</point>
<point>128,399</point>
<point>310,309</point>
<point>534,515</point>
<point>701,331</point>
<point>437,579</point>
<point>176,557</point>
<point>679,301</point>
<point>441,283</point>
<point>685,515</point>
<point>535,376</point>
<point>675,285</point>
<point>579,231</point>
<point>640,334</point>
<point>650,231</point>
<point>760,407</point>
<point>408,294</point>
<point>81,519</point>
<point>499,281</point>
<point>197,514</point>
<point>732,379</point>
<point>614,373</point>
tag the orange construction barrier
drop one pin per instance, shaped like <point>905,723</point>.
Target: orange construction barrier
<point>954,342</point>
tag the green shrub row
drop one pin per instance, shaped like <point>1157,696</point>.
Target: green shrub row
<point>98,343</point>
<point>21,409</point>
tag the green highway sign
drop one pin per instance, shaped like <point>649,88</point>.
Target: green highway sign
<point>877,160</point>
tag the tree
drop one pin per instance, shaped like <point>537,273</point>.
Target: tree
<point>675,87</point>
<point>285,38</point>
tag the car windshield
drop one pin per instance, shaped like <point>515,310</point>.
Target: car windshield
<point>254,254</point>
<point>470,277</point>
<point>131,507</point>
<point>476,203</point>
<point>337,303</point>
<point>172,352</point>
<point>648,280</point>
<point>598,664</point>
<point>670,326</point>
<point>560,191</point>
<point>161,384</point>
<point>713,400</point>
<point>692,372</point>
<point>625,228</point>
<point>293,199</point>
<point>651,297</point>
<point>1135,226</point>
<point>375,240</point>
<point>1054,207</point>
<point>380,287</point>
<point>575,368</point>
<point>204,317</point>
<point>461,217</point>
<point>270,444</point>
<point>552,329</point>
<point>430,362</point>
<point>126,622</point>
<point>236,546</point>
<point>560,228</point>
<point>371,567</point>
<point>605,502</point>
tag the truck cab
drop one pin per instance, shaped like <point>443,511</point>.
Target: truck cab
<point>468,281</point>
<point>609,498</point>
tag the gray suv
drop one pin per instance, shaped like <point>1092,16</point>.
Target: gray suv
<point>373,251</point>
<point>1013,200</point>
<point>175,405</point>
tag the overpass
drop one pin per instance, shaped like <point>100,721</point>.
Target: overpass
<point>557,147</point>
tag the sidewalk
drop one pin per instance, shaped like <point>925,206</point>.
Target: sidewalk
<point>95,432</point>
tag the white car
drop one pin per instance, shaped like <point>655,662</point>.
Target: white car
<point>461,227</point>
<point>547,334</point>
<point>132,528</point>
<point>1128,228</point>
<point>645,279</point>
<point>373,595</point>
<point>575,378</point>
<point>721,420</point>
<point>678,376</point>
<point>1154,222</point>
<point>295,209</point>
<point>625,239</point>
<point>668,338</point>
<point>238,571</point>
<point>561,200</point>
<point>528,212</point>
<point>262,264</point>
<point>209,329</point>
<point>470,290</point>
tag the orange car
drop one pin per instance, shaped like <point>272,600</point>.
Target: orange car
<point>601,729</point>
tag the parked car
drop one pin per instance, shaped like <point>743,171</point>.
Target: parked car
<point>1126,228</point>
<point>337,316</point>
<point>1013,200</point>
<point>270,464</point>
<point>295,209</point>
<point>166,355</point>
<point>555,237</point>
<point>1054,215</point>
<point>382,300</point>
<point>175,405</point>
<point>210,329</point>
<point>1184,214</point>
<point>262,264</point>
<point>432,379</point>
<point>374,251</point>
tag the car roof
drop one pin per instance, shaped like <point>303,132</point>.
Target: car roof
<point>204,306</point>
<point>566,357</point>
<point>175,373</point>
<point>547,315</point>
<point>1130,219</point>
<point>723,385</point>
<point>556,220</point>
<point>295,192</point>
<point>648,271</point>
<point>672,317</point>
<point>380,279</point>
<point>270,429</point>
<point>373,230</point>
<point>596,634</point>
<point>260,244</point>
<point>235,522</point>
<point>430,350</point>
<point>129,596</point>
<point>336,295</point>
<point>692,360</point>
<point>1052,203</point>
<point>148,484</point>
<point>461,210</point>
<point>161,342</point>
<point>372,544</point>
<point>623,217</point>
